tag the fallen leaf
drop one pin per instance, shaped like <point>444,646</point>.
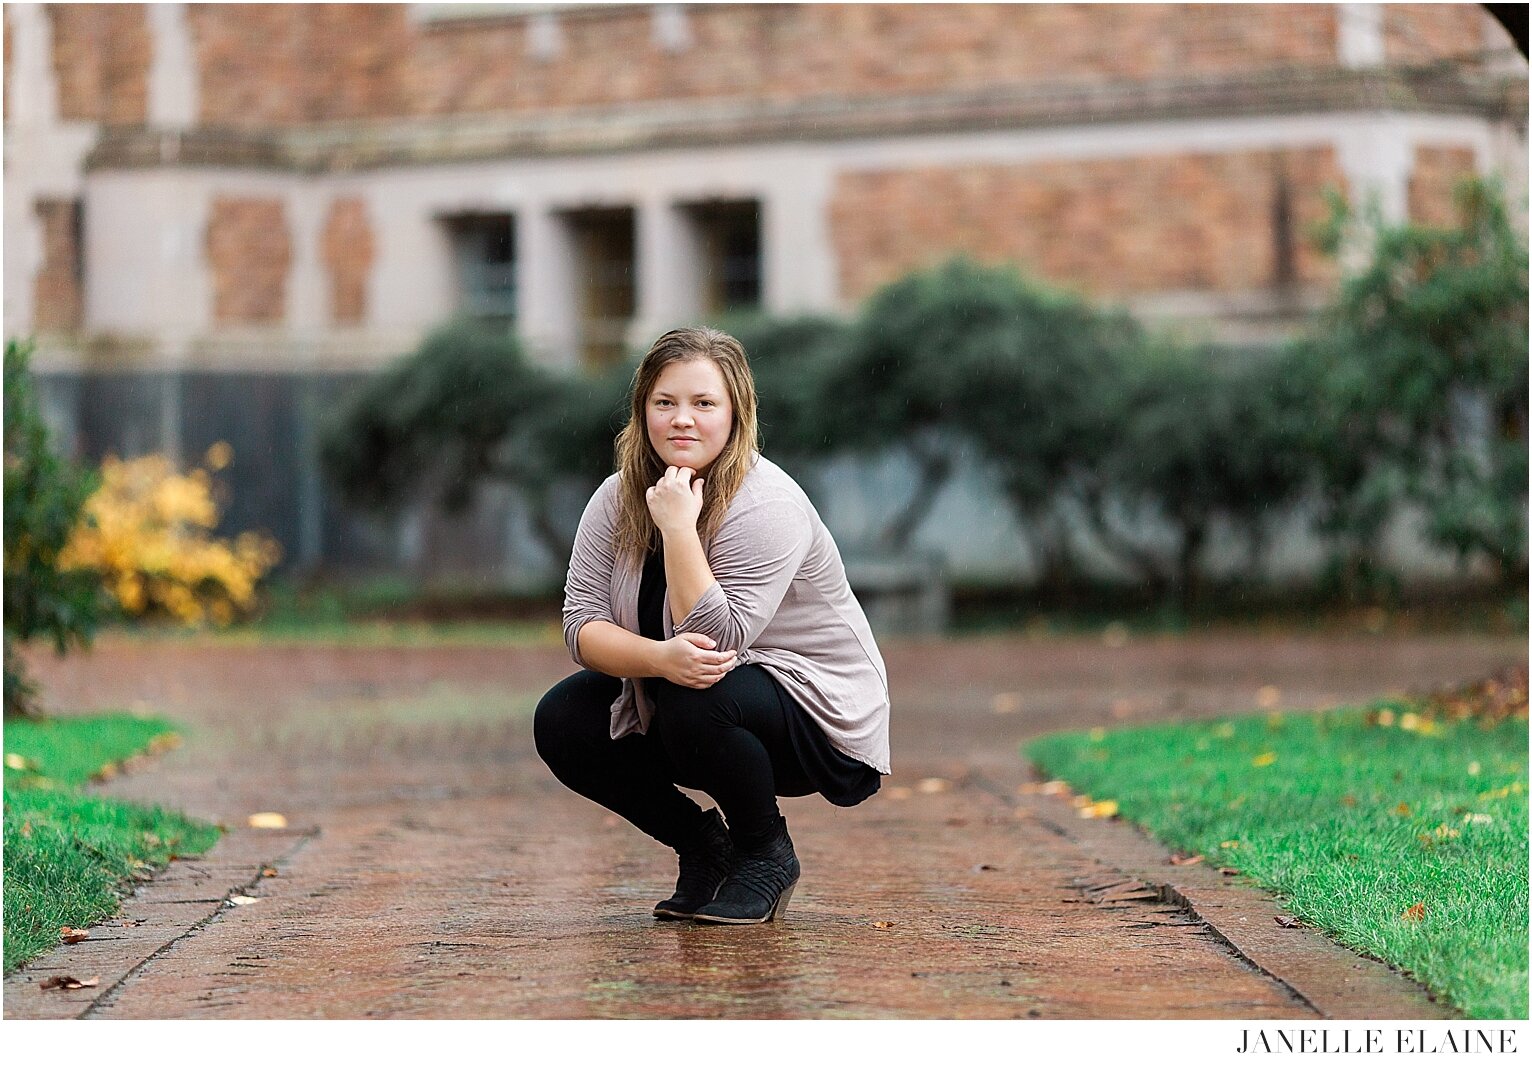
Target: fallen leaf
<point>1403,810</point>
<point>1409,721</point>
<point>14,761</point>
<point>1266,758</point>
<point>72,936</point>
<point>1055,788</point>
<point>1228,844</point>
<point>267,820</point>
<point>882,925</point>
<point>1348,800</point>
<point>1287,921</point>
<point>1103,809</point>
<point>1385,718</point>
<point>67,983</point>
<point>930,785</point>
<point>1414,913</point>
<point>1005,703</point>
<point>1081,801</point>
<point>1474,818</point>
<point>1185,860</point>
<point>268,872</point>
<point>1473,769</point>
<point>26,829</point>
<point>242,901</point>
<point>1445,832</point>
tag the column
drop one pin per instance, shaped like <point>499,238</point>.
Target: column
<point>546,297</point>
<point>669,271</point>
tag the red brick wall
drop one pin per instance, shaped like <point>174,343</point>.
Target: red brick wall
<point>1109,227</point>
<point>248,253</point>
<point>1435,175</point>
<point>1415,33</point>
<point>346,246</point>
<point>282,64</point>
<point>101,56</point>
<point>56,289</point>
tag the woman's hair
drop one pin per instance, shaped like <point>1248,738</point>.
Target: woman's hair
<point>639,465</point>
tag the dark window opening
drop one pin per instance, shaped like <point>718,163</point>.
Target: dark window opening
<point>730,242</point>
<point>605,293</point>
<point>484,253</point>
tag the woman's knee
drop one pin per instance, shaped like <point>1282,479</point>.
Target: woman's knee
<point>569,715</point>
<point>686,710</point>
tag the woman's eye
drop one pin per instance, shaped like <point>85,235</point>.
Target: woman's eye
<point>704,403</point>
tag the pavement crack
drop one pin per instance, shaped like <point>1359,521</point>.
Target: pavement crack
<point>111,994</point>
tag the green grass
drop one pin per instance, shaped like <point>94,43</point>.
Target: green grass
<point>69,857</point>
<point>1350,824</point>
<point>355,634</point>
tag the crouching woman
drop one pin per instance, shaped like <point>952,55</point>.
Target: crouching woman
<point>723,650</point>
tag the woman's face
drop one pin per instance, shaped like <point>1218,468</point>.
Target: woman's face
<point>688,414</point>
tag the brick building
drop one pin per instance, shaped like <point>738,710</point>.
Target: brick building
<point>219,208</point>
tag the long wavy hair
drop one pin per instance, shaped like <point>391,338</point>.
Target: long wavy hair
<point>640,466</point>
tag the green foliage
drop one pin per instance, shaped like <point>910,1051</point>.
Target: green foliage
<point>1351,823</point>
<point>68,857</point>
<point>466,408</point>
<point>44,495</point>
<point>1421,370</point>
<point>1199,434</point>
<point>966,352</point>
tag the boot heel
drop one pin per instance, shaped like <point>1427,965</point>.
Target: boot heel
<point>781,908</point>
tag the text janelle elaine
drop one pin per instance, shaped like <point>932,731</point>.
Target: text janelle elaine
<point>1446,1041</point>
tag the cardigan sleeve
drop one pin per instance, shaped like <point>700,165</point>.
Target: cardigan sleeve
<point>588,589</point>
<point>754,559</point>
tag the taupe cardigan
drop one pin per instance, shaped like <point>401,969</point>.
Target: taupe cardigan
<point>780,598</point>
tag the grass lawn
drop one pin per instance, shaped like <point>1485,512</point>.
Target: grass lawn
<point>69,857</point>
<point>1402,836</point>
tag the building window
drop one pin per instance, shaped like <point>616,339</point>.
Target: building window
<point>605,294</point>
<point>484,251</point>
<point>729,238</point>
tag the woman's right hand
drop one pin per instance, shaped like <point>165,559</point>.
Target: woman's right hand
<point>689,659</point>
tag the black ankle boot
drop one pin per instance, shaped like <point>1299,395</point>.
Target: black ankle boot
<point>704,865</point>
<point>760,882</point>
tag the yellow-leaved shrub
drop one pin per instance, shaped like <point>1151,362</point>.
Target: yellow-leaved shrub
<point>148,531</point>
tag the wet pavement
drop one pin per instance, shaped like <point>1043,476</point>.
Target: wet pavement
<point>433,868</point>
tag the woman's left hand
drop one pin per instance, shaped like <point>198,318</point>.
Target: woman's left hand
<point>675,500</point>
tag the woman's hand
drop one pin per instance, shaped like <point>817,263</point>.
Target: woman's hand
<point>688,659</point>
<point>675,500</point>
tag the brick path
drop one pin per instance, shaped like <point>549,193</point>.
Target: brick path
<point>433,868</point>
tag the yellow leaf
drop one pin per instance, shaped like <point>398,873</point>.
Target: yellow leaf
<point>1409,721</point>
<point>1103,809</point>
<point>267,820</point>
<point>242,901</point>
<point>882,925</point>
<point>1266,758</point>
<point>1414,913</point>
<point>932,784</point>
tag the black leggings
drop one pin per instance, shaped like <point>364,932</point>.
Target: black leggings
<point>729,740</point>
